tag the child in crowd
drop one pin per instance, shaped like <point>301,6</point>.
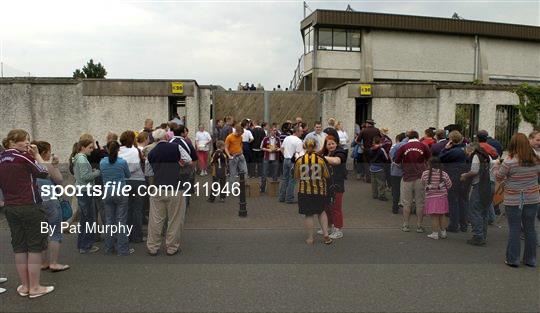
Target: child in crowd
<point>218,165</point>
<point>377,159</point>
<point>437,182</point>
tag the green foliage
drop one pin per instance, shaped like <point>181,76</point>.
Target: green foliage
<point>78,74</point>
<point>529,103</point>
<point>91,70</point>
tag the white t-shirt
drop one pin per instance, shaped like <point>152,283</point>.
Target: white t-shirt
<point>475,168</point>
<point>203,139</point>
<point>247,136</point>
<point>292,146</point>
<point>131,155</point>
<point>343,138</point>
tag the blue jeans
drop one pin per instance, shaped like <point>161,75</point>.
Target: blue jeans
<point>457,201</point>
<point>116,213</point>
<point>478,213</point>
<point>237,165</point>
<point>286,190</point>
<point>86,240</point>
<point>517,216</point>
<point>270,169</point>
<point>135,211</point>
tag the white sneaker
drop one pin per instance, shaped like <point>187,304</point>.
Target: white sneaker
<point>336,234</point>
<point>3,280</point>
<point>443,235</point>
<point>2,290</point>
<point>433,236</point>
<point>330,231</point>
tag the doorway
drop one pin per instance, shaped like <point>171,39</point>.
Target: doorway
<point>177,108</point>
<point>363,110</point>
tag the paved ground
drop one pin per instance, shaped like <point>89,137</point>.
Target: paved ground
<point>261,264</point>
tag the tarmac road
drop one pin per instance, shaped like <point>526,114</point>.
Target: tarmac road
<point>369,270</point>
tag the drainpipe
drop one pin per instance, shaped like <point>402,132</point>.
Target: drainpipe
<point>476,56</point>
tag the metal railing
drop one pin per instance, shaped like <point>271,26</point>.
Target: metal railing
<point>506,123</point>
<point>298,74</point>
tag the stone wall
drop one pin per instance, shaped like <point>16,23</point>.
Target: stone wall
<point>60,110</point>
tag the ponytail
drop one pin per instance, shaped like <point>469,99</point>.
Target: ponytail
<point>113,147</point>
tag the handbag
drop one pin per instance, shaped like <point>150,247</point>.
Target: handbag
<point>498,196</point>
<point>67,210</point>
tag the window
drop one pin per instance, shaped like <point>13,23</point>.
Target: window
<point>467,119</point>
<point>325,39</point>
<point>339,39</point>
<point>353,40</point>
<point>308,40</point>
<point>506,123</point>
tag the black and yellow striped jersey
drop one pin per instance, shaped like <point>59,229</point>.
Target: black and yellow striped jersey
<point>312,171</point>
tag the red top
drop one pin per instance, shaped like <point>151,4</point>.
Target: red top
<point>429,141</point>
<point>413,157</point>
<point>489,149</point>
<point>18,173</point>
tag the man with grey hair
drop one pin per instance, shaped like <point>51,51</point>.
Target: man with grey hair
<point>163,168</point>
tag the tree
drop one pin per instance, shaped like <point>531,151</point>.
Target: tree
<point>91,70</point>
<point>529,103</point>
<point>78,74</point>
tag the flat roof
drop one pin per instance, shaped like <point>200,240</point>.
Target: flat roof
<point>333,18</point>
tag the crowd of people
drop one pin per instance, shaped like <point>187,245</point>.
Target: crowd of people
<point>252,87</point>
<point>441,174</point>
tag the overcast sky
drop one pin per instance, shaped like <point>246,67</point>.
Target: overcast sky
<point>218,42</point>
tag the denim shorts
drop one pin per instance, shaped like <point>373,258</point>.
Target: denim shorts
<point>53,213</point>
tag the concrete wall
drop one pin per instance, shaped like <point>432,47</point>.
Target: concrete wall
<point>515,59</point>
<point>205,108</point>
<point>422,56</point>
<point>58,111</point>
<point>402,114</point>
<point>119,113</point>
<point>400,107</point>
<point>487,101</point>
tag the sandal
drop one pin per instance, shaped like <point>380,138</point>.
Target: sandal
<point>44,268</point>
<point>48,289</point>
<point>60,269</point>
<point>327,240</point>
<point>22,294</point>
<point>309,241</point>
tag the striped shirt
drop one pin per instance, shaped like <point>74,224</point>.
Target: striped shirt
<point>520,182</point>
<point>312,171</point>
<point>437,187</point>
<point>18,177</point>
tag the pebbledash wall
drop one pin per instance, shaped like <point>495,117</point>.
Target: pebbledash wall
<point>403,106</point>
<point>58,110</point>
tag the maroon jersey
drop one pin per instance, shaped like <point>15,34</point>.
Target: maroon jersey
<point>413,157</point>
<point>18,173</point>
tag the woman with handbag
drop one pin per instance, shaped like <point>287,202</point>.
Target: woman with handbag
<point>337,160</point>
<point>52,207</point>
<point>519,173</point>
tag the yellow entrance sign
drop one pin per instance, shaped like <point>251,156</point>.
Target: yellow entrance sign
<point>177,88</point>
<point>365,90</point>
